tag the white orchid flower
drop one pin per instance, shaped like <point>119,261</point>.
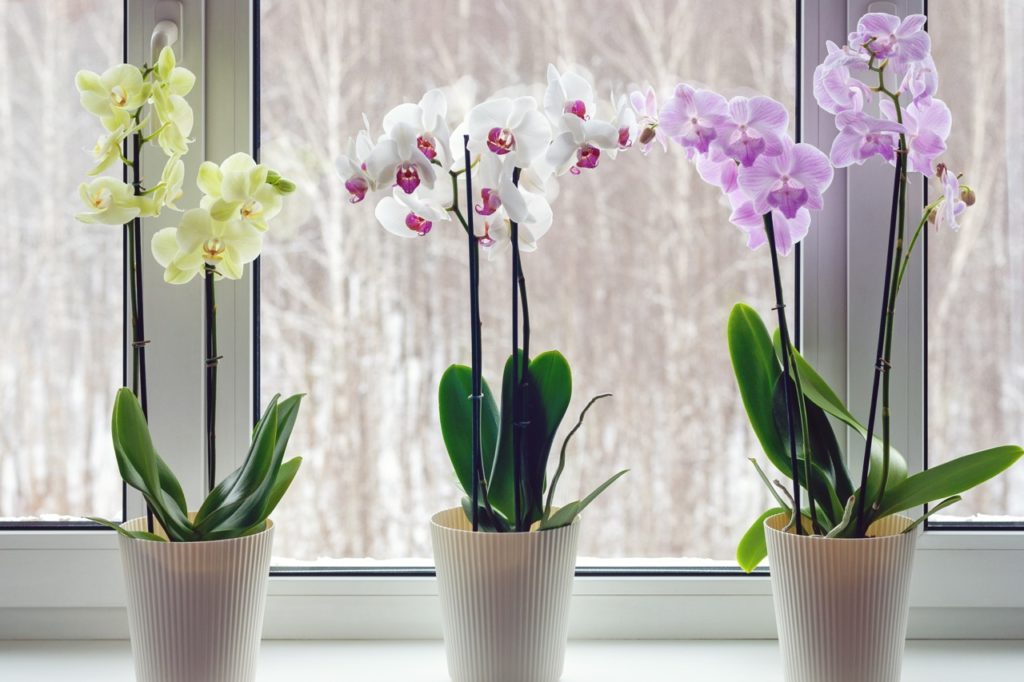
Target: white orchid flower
<point>199,240</point>
<point>170,78</point>
<point>115,96</point>
<point>109,201</point>
<point>398,160</point>
<point>176,121</point>
<point>108,146</point>
<point>413,215</point>
<point>351,165</point>
<point>238,190</point>
<point>495,231</point>
<point>494,190</point>
<point>626,123</point>
<point>427,120</point>
<point>509,127</point>
<point>580,145</point>
<point>568,95</point>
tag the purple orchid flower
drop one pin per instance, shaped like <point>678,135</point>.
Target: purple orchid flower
<point>788,232</point>
<point>927,126</point>
<point>835,88</point>
<point>718,170</point>
<point>952,205</point>
<point>692,117</point>
<point>754,126</point>
<point>794,179</point>
<point>921,80</point>
<point>645,104</point>
<point>861,137</point>
<point>886,37</point>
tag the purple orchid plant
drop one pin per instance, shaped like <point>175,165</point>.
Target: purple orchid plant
<point>773,184</point>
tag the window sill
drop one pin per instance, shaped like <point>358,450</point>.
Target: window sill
<point>590,661</point>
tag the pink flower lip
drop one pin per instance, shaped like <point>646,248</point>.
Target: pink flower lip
<point>788,199</point>
<point>420,226</point>
<point>577,108</point>
<point>624,141</point>
<point>491,202</point>
<point>357,187</point>
<point>407,177</point>
<point>587,156</point>
<point>487,239</point>
<point>426,145</point>
<point>501,141</point>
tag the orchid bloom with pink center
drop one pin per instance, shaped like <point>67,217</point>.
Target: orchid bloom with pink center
<point>351,166</point>
<point>647,116</point>
<point>927,125</point>
<point>861,137</point>
<point>427,120</point>
<point>579,146</point>
<point>788,231</point>
<point>398,160</point>
<point>494,232</point>
<point>794,179</point>
<point>692,117</point>
<point>494,190</point>
<point>567,95</point>
<point>952,204</point>
<point>886,37</point>
<point>510,128</point>
<point>626,123</point>
<point>835,88</point>
<point>754,126</point>
<point>413,215</point>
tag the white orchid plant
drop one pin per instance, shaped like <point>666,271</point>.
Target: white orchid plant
<point>494,174</point>
<point>216,240</point>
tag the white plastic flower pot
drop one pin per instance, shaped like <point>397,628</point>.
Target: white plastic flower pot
<point>195,609</point>
<point>504,599</point>
<point>842,605</point>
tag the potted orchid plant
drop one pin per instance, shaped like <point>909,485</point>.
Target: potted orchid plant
<point>840,549</point>
<point>196,581</point>
<point>506,556</point>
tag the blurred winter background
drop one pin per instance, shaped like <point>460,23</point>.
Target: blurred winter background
<point>633,283</point>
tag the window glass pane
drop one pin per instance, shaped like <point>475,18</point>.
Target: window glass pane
<point>976,277</point>
<point>633,283</point>
<point>60,280</point>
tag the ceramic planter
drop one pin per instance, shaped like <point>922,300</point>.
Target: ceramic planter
<point>504,599</point>
<point>195,609</point>
<point>841,605</point>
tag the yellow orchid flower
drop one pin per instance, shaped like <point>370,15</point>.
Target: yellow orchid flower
<point>108,146</point>
<point>199,240</point>
<point>238,189</point>
<point>114,96</point>
<point>109,201</point>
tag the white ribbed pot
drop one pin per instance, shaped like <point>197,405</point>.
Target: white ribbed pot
<point>195,609</point>
<point>841,605</point>
<point>504,599</point>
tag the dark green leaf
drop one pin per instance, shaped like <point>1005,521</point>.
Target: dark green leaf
<point>948,502</point>
<point>486,522</point>
<point>135,534</point>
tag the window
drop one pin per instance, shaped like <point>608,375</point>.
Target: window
<point>59,279</point>
<point>364,323</point>
<point>976,277</point>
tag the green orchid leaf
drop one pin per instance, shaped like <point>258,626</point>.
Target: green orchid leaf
<point>285,476</point>
<point>486,522</point>
<point>948,502</point>
<point>249,510</point>
<point>135,534</point>
<point>949,479</point>
<point>757,371</point>
<point>456,413</point>
<point>565,515</point>
<point>753,547</point>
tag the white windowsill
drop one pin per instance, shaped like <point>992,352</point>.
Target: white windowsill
<point>588,661</point>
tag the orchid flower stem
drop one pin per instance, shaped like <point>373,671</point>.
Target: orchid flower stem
<point>881,355</point>
<point>476,357</point>
<point>212,359</point>
<point>913,242</point>
<point>780,307</point>
<point>134,236</point>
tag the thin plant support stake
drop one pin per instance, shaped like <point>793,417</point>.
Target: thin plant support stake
<point>520,368</point>
<point>881,365</point>
<point>212,360</point>
<point>780,308</point>
<point>476,356</point>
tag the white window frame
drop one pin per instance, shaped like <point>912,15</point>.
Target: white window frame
<point>67,584</point>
